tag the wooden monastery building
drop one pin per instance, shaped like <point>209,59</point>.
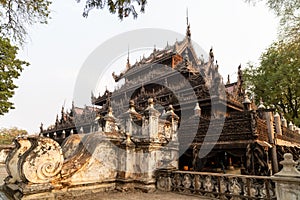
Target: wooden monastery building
<point>220,128</point>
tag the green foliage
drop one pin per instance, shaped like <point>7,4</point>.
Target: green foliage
<point>123,8</point>
<point>16,15</point>
<point>10,69</point>
<point>277,79</point>
<point>8,135</point>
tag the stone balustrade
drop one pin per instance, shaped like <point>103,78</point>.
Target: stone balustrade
<point>214,185</point>
<point>284,185</point>
<point>288,179</point>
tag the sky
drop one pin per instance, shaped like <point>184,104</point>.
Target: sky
<point>237,31</point>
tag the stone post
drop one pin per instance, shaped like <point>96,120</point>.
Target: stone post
<point>261,109</point>
<point>277,124</point>
<point>287,181</point>
<point>128,153</point>
<point>151,120</point>
<point>173,119</point>
<point>283,122</point>
<point>270,120</point>
<point>291,126</point>
<point>247,103</point>
<point>127,118</point>
<point>171,151</point>
<point>110,121</point>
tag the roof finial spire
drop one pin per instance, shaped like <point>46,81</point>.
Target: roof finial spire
<point>128,52</point>
<point>188,29</point>
<point>187,16</point>
<point>128,62</point>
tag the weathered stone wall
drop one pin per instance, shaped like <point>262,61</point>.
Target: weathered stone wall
<point>93,161</point>
<point>106,159</point>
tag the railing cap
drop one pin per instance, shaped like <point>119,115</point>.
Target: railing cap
<point>289,167</point>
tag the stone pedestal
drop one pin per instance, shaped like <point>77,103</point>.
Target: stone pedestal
<point>287,180</point>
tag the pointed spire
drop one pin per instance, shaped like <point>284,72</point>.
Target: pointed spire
<point>56,121</point>
<point>128,62</point>
<point>41,128</point>
<point>188,28</point>
<point>228,79</point>
<point>240,73</point>
<point>187,16</point>
<point>211,55</point>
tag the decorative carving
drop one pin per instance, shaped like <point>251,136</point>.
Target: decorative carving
<point>40,160</point>
<point>176,180</point>
<point>208,185</point>
<point>221,186</point>
<point>12,167</point>
<point>197,183</point>
<point>187,182</point>
<point>256,160</point>
<point>235,188</point>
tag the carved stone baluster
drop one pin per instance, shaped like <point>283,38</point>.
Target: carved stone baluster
<point>187,182</point>
<point>176,181</point>
<point>197,183</point>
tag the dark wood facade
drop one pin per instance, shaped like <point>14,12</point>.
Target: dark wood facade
<point>237,133</point>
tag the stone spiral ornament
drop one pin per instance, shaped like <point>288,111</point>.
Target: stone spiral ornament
<point>43,162</point>
<point>22,145</point>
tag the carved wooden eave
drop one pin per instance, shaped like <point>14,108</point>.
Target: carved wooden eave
<point>157,56</point>
<point>102,100</point>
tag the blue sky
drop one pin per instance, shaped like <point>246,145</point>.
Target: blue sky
<point>237,31</point>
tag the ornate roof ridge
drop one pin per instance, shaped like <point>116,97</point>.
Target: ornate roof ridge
<point>176,48</point>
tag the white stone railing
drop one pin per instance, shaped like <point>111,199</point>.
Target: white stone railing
<point>284,185</point>
<point>220,186</point>
<point>288,179</point>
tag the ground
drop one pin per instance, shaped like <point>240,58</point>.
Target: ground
<point>136,195</point>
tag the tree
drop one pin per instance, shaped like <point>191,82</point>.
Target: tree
<point>8,135</point>
<point>122,7</point>
<point>288,12</point>
<point>10,69</point>
<point>277,79</point>
<point>17,15</point>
